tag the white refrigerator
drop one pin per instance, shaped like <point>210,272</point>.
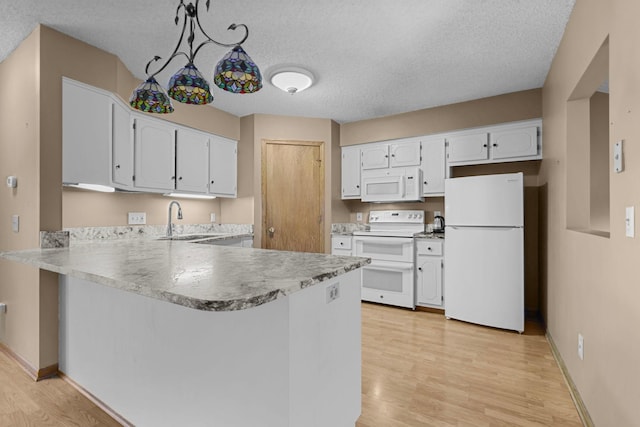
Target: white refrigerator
<point>484,256</point>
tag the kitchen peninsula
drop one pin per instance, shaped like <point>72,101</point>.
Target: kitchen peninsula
<point>169,333</point>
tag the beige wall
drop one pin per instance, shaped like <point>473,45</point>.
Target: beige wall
<point>486,111</point>
<point>591,282</point>
<point>19,151</point>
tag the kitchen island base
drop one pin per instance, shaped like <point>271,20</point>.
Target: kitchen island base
<point>295,361</point>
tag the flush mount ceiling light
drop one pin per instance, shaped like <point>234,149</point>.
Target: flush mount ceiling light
<point>292,79</point>
<point>236,72</point>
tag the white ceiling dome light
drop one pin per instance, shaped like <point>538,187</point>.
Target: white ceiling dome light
<point>292,79</point>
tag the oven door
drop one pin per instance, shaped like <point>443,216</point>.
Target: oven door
<point>398,249</point>
<point>388,283</point>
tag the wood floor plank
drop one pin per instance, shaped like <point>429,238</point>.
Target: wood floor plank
<point>418,370</point>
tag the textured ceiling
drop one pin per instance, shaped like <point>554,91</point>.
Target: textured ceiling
<point>371,58</point>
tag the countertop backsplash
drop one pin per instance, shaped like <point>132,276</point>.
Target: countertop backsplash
<point>348,227</point>
<point>152,231</point>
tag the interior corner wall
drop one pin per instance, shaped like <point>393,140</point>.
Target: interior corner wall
<point>339,209</point>
<point>19,156</point>
<point>591,282</point>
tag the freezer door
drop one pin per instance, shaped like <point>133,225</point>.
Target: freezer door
<point>488,200</point>
<point>484,276</point>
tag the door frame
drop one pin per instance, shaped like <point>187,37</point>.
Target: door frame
<point>321,195</point>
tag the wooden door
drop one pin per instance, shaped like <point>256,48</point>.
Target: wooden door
<point>293,196</point>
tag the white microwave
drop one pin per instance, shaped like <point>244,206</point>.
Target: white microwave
<point>392,185</point>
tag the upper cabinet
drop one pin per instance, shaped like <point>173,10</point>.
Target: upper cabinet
<point>495,144</point>
<point>223,167</point>
<point>351,172</point>
<point>155,145</point>
<point>192,161</point>
<point>433,166</point>
<point>110,145</point>
<point>405,153</point>
<point>86,134</point>
<point>375,156</point>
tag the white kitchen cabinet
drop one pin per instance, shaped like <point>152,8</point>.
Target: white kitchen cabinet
<point>496,144</point>
<point>514,142</point>
<point>192,161</point>
<point>405,153</point>
<point>433,166</point>
<point>86,134</point>
<point>429,268</point>
<point>350,172</point>
<point>468,147</point>
<point>223,167</point>
<point>155,149</point>
<point>122,147</point>
<point>341,245</point>
<point>375,156</point>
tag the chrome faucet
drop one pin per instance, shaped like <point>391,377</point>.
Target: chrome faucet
<point>169,225</point>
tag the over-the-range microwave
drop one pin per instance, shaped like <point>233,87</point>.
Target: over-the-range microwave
<point>392,185</point>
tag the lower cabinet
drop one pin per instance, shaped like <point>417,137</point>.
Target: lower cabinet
<point>429,267</point>
<point>341,245</point>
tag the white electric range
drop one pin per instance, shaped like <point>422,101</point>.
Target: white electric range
<point>389,279</point>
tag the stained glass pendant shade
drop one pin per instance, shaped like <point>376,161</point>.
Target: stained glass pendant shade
<point>236,72</point>
<point>189,86</point>
<point>150,97</point>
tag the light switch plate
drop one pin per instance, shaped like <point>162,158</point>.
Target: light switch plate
<point>15,223</point>
<point>213,217</point>
<point>618,164</point>
<point>629,221</point>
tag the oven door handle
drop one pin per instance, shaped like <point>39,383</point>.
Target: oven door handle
<point>381,265</point>
<point>386,241</point>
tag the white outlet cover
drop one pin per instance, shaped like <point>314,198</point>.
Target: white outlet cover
<point>213,217</point>
<point>137,218</point>
<point>580,346</point>
<point>15,223</point>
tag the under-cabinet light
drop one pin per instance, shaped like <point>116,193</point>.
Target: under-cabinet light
<point>93,187</point>
<point>189,196</point>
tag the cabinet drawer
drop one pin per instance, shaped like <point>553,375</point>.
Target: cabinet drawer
<point>429,247</point>
<point>341,242</point>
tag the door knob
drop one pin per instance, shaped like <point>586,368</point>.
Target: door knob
<point>271,230</point>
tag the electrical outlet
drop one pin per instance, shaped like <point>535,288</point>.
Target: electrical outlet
<point>359,216</point>
<point>15,223</point>
<point>137,218</point>
<point>629,222</point>
<point>333,292</point>
<point>213,217</point>
<point>580,346</point>
<point>3,307</point>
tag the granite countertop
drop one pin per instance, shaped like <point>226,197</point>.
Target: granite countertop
<point>203,277</point>
<point>429,235</point>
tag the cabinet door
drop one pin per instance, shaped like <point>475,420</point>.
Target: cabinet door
<point>376,157</point>
<point>155,146</point>
<point>86,135</point>
<point>223,167</point>
<point>122,146</point>
<point>351,172</point>
<point>405,154</point>
<point>512,143</point>
<point>429,280</point>
<point>433,166</point>
<point>192,161</point>
<point>470,147</point>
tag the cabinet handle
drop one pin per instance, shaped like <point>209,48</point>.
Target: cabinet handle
<point>393,155</point>
<point>341,243</point>
<point>180,179</point>
<point>173,178</point>
<point>117,166</point>
<point>425,183</point>
<point>419,268</point>
<point>484,145</point>
<point>429,248</point>
<point>381,296</point>
<point>357,186</point>
<point>494,145</point>
<point>212,181</point>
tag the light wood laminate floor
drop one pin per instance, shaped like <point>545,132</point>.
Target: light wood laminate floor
<point>419,369</point>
